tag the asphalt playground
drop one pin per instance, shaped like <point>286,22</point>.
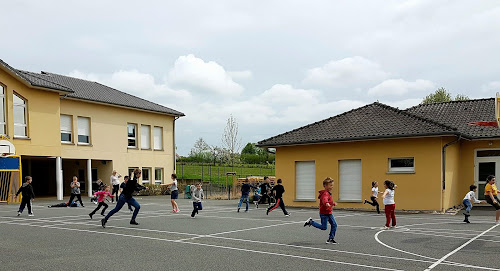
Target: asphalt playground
<point>219,238</point>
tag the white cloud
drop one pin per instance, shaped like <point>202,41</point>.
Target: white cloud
<point>347,71</point>
<point>399,87</point>
<point>192,71</point>
<point>491,88</point>
<point>240,75</point>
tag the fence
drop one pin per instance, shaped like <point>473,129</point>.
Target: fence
<point>214,176</point>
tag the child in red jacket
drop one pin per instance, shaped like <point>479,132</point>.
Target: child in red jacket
<point>325,211</point>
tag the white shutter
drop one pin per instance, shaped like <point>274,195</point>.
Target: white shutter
<point>350,180</point>
<point>305,179</point>
<point>83,126</point>
<point>66,123</point>
<point>145,137</point>
<point>158,138</point>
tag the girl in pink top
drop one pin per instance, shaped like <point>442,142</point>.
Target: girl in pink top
<point>102,195</point>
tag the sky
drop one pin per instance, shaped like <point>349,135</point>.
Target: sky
<point>273,65</point>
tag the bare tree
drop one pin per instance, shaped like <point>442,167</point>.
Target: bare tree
<point>230,139</point>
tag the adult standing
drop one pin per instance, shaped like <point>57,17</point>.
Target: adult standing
<point>490,195</point>
<point>115,182</point>
<point>174,193</point>
<point>75,191</point>
<point>126,197</point>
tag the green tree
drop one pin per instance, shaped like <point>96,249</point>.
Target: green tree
<point>442,95</point>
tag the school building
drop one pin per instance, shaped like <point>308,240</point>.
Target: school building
<point>429,151</point>
<point>63,127</point>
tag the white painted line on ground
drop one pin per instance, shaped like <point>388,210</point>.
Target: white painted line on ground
<point>459,248</point>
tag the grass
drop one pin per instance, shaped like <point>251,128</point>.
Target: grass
<point>217,173</point>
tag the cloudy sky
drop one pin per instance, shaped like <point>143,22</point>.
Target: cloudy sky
<point>273,65</point>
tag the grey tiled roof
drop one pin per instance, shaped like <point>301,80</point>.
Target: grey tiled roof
<point>459,113</point>
<point>35,80</point>
<point>372,121</point>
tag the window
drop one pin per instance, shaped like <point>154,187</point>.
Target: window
<point>402,164</point>
<point>145,137</point>
<point>66,128</point>
<point>131,172</point>
<point>305,174</point>
<point>350,180</point>
<point>146,175</point>
<point>20,126</point>
<point>2,110</point>
<point>83,130</point>
<point>132,135</point>
<point>158,138</point>
<point>158,175</point>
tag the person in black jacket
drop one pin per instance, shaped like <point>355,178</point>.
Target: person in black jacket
<point>126,197</point>
<point>245,191</point>
<point>279,190</point>
<point>27,192</point>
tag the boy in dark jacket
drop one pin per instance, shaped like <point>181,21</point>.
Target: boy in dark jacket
<point>245,192</point>
<point>278,190</point>
<point>325,211</point>
<point>27,192</point>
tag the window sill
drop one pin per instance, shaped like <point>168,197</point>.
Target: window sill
<point>305,200</point>
<point>400,172</point>
<point>84,144</point>
<point>351,200</point>
<point>22,137</point>
<point>132,148</point>
<point>145,149</point>
<point>67,143</point>
<point>158,150</point>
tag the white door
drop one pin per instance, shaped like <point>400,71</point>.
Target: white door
<point>487,162</point>
<point>350,180</point>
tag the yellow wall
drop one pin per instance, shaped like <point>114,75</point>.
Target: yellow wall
<point>109,138</point>
<point>419,191</point>
<point>42,118</point>
<point>452,194</point>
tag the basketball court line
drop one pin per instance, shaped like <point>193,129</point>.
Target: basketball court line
<point>449,236</point>
<point>459,248</point>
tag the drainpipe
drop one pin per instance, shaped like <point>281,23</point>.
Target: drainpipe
<point>444,165</point>
<point>173,135</point>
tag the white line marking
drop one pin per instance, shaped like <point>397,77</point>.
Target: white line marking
<point>459,248</point>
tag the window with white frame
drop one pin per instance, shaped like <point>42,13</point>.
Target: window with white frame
<point>132,135</point>
<point>83,130</point>
<point>145,137</point>
<point>158,175</point>
<point>402,164</point>
<point>146,175</point>
<point>66,128</point>
<point>131,172</point>
<point>305,175</point>
<point>2,110</point>
<point>158,138</point>
<point>20,116</point>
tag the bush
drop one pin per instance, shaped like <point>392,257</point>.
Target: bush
<point>154,190</point>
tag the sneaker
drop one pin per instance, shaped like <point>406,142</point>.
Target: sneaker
<point>267,211</point>
<point>95,202</point>
<point>91,215</point>
<point>18,213</point>
<point>103,222</point>
<point>287,215</point>
<point>173,211</point>
<point>31,214</point>
<point>246,211</point>
<point>133,222</point>
<point>331,241</point>
<point>308,222</point>
<point>238,210</point>
<point>466,221</point>
<point>364,202</point>
<point>394,227</point>
<point>385,228</point>
<point>177,210</point>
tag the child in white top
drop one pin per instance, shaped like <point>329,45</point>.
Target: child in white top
<point>471,196</point>
<point>197,195</point>
<point>390,205</point>
<point>374,196</point>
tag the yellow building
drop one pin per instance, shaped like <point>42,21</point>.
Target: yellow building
<point>429,151</point>
<point>63,127</point>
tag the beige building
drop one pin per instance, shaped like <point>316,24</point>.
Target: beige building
<point>64,126</point>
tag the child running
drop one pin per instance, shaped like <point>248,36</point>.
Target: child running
<point>390,205</point>
<point>279,190</point>
<point>102,196</point>
<point>471,196</point>
<point>374,196</point>
<point>126,197</point>
<point>27,193</point>
<point>197,195</point>
<point>325,211</point>
<point>490,194</point>
<point>174,193</point>
<point>245,192</point>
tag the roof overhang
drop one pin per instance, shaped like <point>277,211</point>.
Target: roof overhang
<point>26,82</point>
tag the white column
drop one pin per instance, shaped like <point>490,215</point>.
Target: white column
<point>59,178</point>
<point>89,177</point>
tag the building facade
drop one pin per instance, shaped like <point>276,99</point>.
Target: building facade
<point>64,127</point>
<point>429,151</point>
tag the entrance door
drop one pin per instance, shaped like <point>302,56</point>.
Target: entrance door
<point>484,170</point>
